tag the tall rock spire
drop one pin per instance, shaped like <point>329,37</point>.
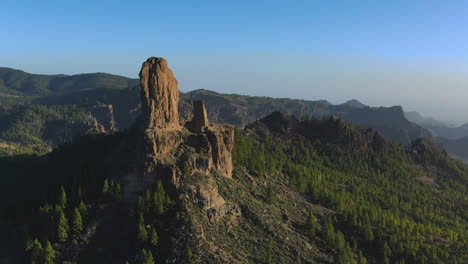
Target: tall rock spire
<point>159,94</point>
<point>200,117</point>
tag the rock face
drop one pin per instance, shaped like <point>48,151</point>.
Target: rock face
<point>425,151</point>
<point>186,155</point>
<point>175,148</point>
<point>159,94</point>
<point>200,117</point>
<point>104,115</point>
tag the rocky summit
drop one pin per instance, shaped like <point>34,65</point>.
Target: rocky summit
<point>176,146</point>
<point>159,94</point>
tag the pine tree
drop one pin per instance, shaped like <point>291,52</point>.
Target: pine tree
<point>145,257</point>
<point>63,198</point>
<point>159,198</point>
<point>62,227</point>
<point>142,233</point>
<point>49,254</point>
<point>387,252</point>
<point>311,225</point>
<point>105,187</point>
<point>368,234</point>
<point>153,238</point>
<point>339,240</point>
<point>361,258</point>
<point>35,249</point>
<point>83,211</point>
<point>77,222</point>
<point>329,231</point>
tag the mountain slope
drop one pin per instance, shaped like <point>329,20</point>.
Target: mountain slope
<point>88,91</point>
<point>456,147</point>
<point>242,110</point>
<point>18,82</point>
<point>438,128</point>
<point>282,190</point>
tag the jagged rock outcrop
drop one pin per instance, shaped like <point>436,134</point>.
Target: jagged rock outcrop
<point>425,151</point>
<point>186,155</point>
<point>176,148</point>
<point>104,115</point>
<point>200,117</point>
<point>159,94</point>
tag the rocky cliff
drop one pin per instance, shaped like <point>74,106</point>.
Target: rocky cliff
<point>177,150</point>
<point>198,144</point>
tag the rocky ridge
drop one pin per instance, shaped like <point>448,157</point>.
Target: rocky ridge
<point>333,129</point>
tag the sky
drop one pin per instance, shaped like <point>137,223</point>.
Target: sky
<point>412,53</point>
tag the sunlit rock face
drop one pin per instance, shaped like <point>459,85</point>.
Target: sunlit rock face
<point>173,145</point>
<point>159,94</point>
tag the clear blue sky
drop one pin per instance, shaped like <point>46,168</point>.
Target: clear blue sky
<point>412,53</point>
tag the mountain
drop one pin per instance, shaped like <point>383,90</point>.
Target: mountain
<point>109,110</point>
<point>17,82</point>
<point>242,110</point>
<point>417,118</point>
<point>88,92</point>
<point>284,189</point>
<point>456,147</point>
<point>354,104</point>
<point>438,128</point>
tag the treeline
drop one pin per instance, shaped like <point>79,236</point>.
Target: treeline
<point>383,213</point>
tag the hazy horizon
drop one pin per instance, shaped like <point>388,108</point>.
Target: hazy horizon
<point>382,54</point>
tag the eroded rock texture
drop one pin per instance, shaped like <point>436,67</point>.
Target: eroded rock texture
<point>195,146</point>
<point>200,117</point>
<point>186,155</point>
<point>159,94</point>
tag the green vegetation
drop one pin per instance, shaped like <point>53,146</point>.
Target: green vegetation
<point>379,203</point>
<point>40,125</point>
<point>21,83</point>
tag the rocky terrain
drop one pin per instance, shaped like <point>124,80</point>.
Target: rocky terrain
<point>283,189</point>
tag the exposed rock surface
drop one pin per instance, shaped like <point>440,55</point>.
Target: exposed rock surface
<point>200,117</point>
<point>333,129</point>
<point>198,144</point>
<point>179,152</point>
<point>159,94</point>
<point>104,115</point>
<point>425,151</point>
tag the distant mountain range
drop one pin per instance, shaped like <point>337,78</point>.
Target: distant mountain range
<point>437,127</point>
<point>111,103</point>
<point>241,110</point>
<point>17,82</point>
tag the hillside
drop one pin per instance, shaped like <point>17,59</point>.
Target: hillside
<point>109,110</point>
<point>87,92</point>
<point>17,82</point>
<point>456,147</point>
<point>242,110</point>
<point>438,128</point>
<point>284,189</point>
